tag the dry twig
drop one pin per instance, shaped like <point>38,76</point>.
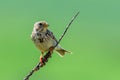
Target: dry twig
<point>48,54</point>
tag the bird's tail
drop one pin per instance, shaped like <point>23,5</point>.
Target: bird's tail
<point>61,51</point>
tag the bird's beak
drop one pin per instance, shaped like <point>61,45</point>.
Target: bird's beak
<point>46,25</point>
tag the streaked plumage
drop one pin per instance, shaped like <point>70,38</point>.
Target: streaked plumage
<point>44,38</point>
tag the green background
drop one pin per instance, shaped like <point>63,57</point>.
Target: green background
<point>93,38</point>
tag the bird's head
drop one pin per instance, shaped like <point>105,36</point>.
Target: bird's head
<point>41,26</point>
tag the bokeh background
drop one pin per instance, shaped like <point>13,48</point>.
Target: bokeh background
<point>93,38</point>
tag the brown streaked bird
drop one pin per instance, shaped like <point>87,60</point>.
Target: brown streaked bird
<point>45,40</point>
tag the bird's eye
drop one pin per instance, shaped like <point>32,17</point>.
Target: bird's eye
<point>40,24</point>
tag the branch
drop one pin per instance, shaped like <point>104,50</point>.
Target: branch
<point>48,54</point>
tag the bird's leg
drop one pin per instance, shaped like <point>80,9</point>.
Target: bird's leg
<point>51,49</point>
<point>41,59</point>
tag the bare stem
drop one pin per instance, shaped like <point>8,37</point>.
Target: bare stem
<point>48,54</point>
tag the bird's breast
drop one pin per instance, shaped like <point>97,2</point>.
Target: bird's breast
<point>43,41</point>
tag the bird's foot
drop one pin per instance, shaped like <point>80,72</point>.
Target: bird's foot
<point>51,49</point>
<point>42,61</point>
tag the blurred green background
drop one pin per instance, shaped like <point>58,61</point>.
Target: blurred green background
<point>93,38</point>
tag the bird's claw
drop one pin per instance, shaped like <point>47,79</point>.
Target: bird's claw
<point>42,62</point>
<point>51,49</point>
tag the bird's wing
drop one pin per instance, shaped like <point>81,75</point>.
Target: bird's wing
<point>51,35</point>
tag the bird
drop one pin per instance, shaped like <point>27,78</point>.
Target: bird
<point>45,40</point>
